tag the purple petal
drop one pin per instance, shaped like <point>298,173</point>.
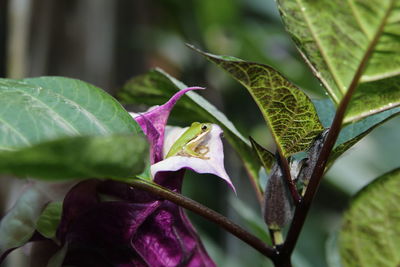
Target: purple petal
<point>168,239</point>
<point>153,123</point>
<point>97,230</point>
<point>107,229</point>
<point>79,200</point>
<point>213,165</point>
<point>153,136</point>
<point>147,232</point>
<point>168,232</point>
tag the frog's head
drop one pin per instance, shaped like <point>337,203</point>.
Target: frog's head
<point>205,127</point>
<point>202,128</point>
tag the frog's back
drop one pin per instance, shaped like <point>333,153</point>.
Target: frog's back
<point>185,138</point>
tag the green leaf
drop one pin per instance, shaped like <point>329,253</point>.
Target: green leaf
<point>18,225</point>
<point>156,87</point>
<point>49,220</point>
<point>374,97</point>
<point>351,134</point>
<point>370,233</point>
<point>287,110</point>
<point>336,36</point>
<point>42,109</point>
<point>266,158</point>
<point>115,156</point>
<point>326,111</point>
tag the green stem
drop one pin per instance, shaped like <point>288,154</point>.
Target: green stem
<point>277,237</point>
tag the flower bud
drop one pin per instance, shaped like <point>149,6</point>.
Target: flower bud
<point>278,204</point>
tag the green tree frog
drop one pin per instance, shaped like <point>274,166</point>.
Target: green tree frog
<point>188,144</point>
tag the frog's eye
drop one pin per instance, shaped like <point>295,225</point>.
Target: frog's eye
<point>204,127</point>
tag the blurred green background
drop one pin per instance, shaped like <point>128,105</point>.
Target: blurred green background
<point>108,42</point>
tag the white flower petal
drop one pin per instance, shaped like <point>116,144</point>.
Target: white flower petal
<point>213,165</point>
<point>172,133</point>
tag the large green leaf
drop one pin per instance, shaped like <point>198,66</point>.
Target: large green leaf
<point>335,36</point>
<point>41,109</point>
<point>374,97</point>
<point>115,156</point>
<point>156,87</point>
<point>287,110</point>
<point>370,234</point>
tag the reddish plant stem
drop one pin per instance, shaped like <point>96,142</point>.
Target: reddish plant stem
<point>282,262</point>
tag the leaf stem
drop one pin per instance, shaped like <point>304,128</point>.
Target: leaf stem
<point>207,213</point>
<point>276,236</point>
<point>304,205</point>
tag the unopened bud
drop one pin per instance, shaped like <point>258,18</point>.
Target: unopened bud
<point>278,204</point>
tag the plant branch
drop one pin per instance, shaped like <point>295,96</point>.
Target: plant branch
<point>304,206</point>
<point>207,213</point>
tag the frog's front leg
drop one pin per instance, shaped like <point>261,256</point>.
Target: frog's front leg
<point>195,151</point>
<point>202,150</point>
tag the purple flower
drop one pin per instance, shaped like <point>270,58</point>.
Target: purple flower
<point>140,230</point>
<point>162,137</point>
<point>132,227</point>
